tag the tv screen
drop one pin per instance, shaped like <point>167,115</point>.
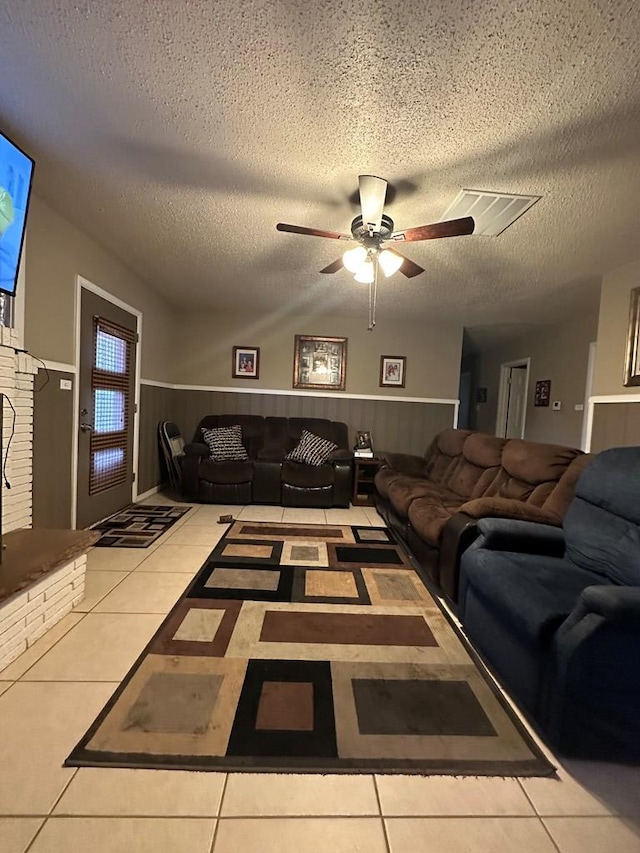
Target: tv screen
<point>16,172</point>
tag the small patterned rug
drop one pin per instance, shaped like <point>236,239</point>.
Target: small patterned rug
<point>309,648</point>
<point>137,526</point>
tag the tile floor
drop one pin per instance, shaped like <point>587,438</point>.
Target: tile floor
<point>50,695</point>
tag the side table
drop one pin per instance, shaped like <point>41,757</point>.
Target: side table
<point>363,485</point>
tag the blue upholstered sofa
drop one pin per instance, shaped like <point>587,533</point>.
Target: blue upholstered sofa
<point>556,612</point>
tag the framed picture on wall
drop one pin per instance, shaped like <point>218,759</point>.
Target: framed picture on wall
<point>319,362</point>
<point>392,371</point>
<point>246,363</point>
<point>543,392</point>
<point>632,360</point>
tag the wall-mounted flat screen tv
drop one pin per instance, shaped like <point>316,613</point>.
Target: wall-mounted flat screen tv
<point>16,173</point>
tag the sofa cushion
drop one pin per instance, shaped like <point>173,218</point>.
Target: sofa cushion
<point>533,599</point>
<point>443,450</point>
<point>311,449</point>
<point>471,473</point>
<point>429,514</point>
<point>530,470</point>
<point>225,473</point>
<point>307,476</point>
<point>405,490</point>
<point>225,443</point>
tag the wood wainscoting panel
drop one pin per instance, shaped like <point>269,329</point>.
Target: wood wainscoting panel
<point>615,425</point>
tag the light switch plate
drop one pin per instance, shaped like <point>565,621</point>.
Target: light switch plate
<point>579,407</point>
<point>66,385</point>
<point>556,405</point>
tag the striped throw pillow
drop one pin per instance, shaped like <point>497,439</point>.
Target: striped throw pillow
<point>225,443</point>
<point>311,449</point>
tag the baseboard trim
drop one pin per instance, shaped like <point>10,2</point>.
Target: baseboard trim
<point>147,494</point>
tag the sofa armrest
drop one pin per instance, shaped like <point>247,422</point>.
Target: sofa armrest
<point>618,605</point>
<point>457,535</point>
<point>523,537</point>
<point>196,449</point>
<point>343,482</point>
<point>405,463</point>
<point>491,507</point>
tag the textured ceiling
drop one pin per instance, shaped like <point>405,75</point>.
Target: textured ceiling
<point>178,133</point>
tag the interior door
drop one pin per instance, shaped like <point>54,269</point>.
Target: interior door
<point>516,401</point>
<point>106,383</point>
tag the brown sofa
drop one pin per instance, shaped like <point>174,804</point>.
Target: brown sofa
<point>266,476</point>
<point>433,502</point>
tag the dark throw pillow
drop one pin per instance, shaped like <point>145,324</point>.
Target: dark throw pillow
<point>225,443</point>
<point>311,449</point>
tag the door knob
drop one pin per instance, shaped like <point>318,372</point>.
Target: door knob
<point>86,427</point>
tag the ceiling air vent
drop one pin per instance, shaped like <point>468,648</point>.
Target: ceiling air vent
<point>492,212</point>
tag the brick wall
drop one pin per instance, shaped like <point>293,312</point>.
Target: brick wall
<point>17,371</point>
<point>28,615</point>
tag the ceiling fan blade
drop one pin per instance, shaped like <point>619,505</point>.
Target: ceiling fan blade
<point>312,232</point>
<point>408,268</point>
<point>372,194</point>
<point>450,228</point>
<point>334,267</point>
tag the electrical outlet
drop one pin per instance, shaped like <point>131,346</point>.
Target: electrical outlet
<point>579,407</point>
<point>556,405</point>
<point>66,385</point>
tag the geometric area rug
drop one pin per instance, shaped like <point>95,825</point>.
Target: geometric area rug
<point>137,526</point>
<point>309,648</point>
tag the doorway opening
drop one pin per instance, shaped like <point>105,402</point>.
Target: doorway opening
<point>512,398</point>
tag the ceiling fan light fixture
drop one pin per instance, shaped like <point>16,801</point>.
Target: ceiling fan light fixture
<point>390,262</point>
<point>354,258</point>
<point>365,274</point>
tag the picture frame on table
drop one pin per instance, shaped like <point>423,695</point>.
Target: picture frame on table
<point>246,363</point>
<point>363,440</point>
<point>319,362</point>
<point>392,371</point>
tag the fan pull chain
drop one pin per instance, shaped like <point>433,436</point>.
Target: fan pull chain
<point>373,296</point>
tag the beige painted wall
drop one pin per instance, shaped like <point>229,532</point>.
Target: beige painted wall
<point>558,352</point>
<point>205,341</point>
<point>612,330</point>
<point>56,252</point>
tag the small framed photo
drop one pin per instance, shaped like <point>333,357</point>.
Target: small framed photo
<point>392,371</point>
<point>320,362</point>
<point>246,363</point>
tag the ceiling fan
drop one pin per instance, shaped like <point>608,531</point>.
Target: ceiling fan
<point>371,230</point>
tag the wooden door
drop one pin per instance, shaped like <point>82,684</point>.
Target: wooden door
<point>106,381</point>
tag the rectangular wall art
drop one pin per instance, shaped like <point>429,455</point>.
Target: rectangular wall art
<point>246,363</point>
<point>392,370</point>
<point>319,362</point>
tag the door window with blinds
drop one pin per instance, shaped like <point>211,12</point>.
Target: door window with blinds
<point>112,405</point>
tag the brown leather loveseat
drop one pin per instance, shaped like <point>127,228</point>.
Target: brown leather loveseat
<point>433,502</point>
<point>264,475</point>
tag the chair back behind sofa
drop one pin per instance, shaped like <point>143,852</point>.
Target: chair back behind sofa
<point>602,524</point>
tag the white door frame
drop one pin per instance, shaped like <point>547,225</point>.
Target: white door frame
<point>503,395</point>
<point>103,294</point>
<point>585,440</point>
